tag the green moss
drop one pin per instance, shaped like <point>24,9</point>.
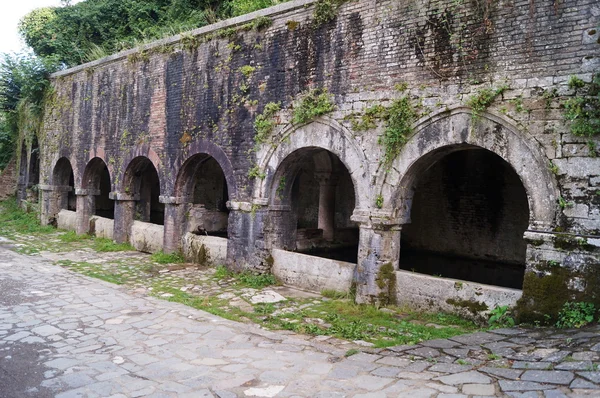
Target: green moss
<point>202,257</point>
<point>474,307</point>
<point>544,294</point>
<point>570,242</point>
<point>386,282</point>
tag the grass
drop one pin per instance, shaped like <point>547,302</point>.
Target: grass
<point>167,258</point>
<point>107,245</point>
<point>14,220</point>
<point>335,315</point>
<point>246,279</point>
<point>71,236</point>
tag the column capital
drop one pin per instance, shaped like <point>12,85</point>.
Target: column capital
<point>376,219</point>
<point>56,188</point>
<point>87,192</point>
<point>173,200</point>
<point>123,197</point>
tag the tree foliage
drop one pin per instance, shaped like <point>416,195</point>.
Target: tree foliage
<point>71,33</point>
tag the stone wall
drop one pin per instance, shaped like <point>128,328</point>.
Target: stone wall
<point>200,93</point>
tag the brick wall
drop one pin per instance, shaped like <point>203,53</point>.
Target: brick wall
<point>177,98</point>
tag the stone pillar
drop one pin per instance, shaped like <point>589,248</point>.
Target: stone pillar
<point>124,213</point>
<point>378,258</point>
<point>86,207</point>
<point>53,199</point>
<point>249,236</point>
<point>175,223</point>
<point>327,185</point>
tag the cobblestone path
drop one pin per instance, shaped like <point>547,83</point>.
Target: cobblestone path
<point>66,335</point>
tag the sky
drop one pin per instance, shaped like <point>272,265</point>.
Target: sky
<point>10,40</point>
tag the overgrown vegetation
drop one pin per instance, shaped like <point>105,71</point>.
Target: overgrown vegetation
<point>582,111</point>
<point>249,279</point>
<point>311,105</point>
<point>265,122</point>
<point>500,317</point>
<point>481,100</point>
<point>326,11</point>
<point>77,33</point>
<point>167,258</point>
<point>576,315</point>
<point>23,93</point>
<point>13,220</point>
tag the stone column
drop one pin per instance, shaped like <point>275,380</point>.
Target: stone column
<point>250,236</point>
<point>86,207</point>
<point>124,213</point>
<point>53,199</point>
<point>175,223</point>
<point>378,258</point>
<point>327,186</point>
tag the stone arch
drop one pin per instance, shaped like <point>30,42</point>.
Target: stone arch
<point>34,163</point>
<point>203,190</point>
<point>142,182</point>
<point>63,181</point>
<point>311,202</point>
<point>455,130</point>
<point>120,175</point>
<point>96,181</point>
<point>322,133</point>
<point>208,150</point>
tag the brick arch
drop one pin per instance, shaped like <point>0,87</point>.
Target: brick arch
<point>92,173</point>
<point>323,133</point>
<point>454,130</point>
<point>137,165</point>
<point>60,174</point>
<point>197,149</point>
<point>120,174</point>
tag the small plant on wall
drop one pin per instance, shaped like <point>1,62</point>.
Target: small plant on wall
<point>583,109</point>
<point>312,104</point>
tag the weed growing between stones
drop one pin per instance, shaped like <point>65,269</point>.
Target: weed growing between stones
<point>399,118</point>
<point>311,105</point>
<point>265,122</point>
<point>480,101</point>
<point>326,11</point>
<point>583,110</point>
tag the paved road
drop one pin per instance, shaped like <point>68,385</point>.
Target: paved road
<point>66,335</point>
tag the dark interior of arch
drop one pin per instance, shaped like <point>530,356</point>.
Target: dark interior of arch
<point>142,180</point>
<point>105,207</point>
<point>205,187</point>
<point>22,182</point>
<point>468,216</point>
<point>322,201</point>
<point>64,179</point>
<point>34,164</point>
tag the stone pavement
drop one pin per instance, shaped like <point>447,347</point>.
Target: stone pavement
<point>66,335</point>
